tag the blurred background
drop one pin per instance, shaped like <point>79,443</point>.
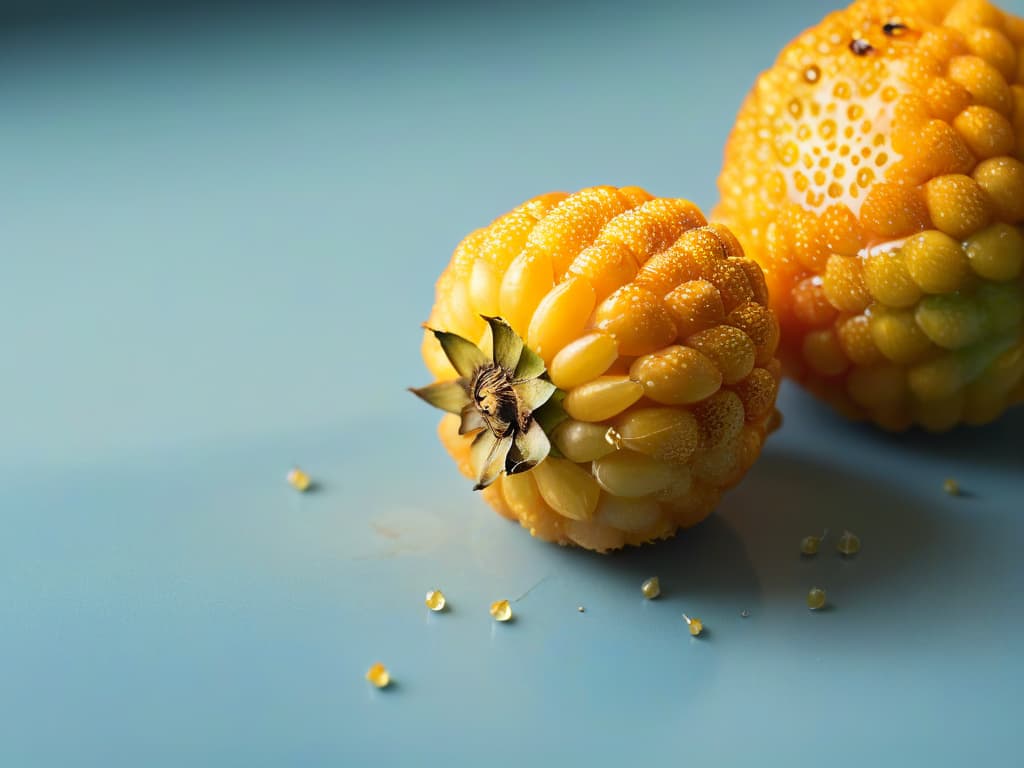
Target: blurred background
<point>220,224</point>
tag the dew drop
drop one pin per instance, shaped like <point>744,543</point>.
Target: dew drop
<point>812,74</point>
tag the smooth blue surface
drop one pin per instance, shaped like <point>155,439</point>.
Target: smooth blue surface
<point>219,236</point>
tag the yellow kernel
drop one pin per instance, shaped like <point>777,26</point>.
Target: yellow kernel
<point>435,600</point>
<point>935,261</point>
<point>887,278</point>
<point>676,376</point>
<point>637,319</point>
<point>854,334</point>
<point>628,515</point>
<point>501,610</point>
<point>951,486</point>
<point>761,325</point>
<point>666,434</point>
<point>816,598</point>
<point>984,82</point>
<point>582,441</point>
<point>893,210</point>
<point>527,281</point>
<point>651,588</point>
<point>824,353</point>
<point>695,625</point>
<point>844,284</point>
<point>957,205</point>
<point>986,132</point>
<point>952,321</point>
<point>695,305</point>
<point>729,348</point>
<point>567,488</point>
<point>898,337</point>
<point>485,287</point>
<point>757,392</point>
<point>848,544</point>
<point>607,266</point>
<point>560,317</point>
<point>299,480</point>
<point>630,474</point>
<point>720,418</point>
<point>996,253</point>
<point>1002,178</point>
<point>992,46</point>
<point>602,398</point>
<point>810,304</point>
<point>594,535</point>
<point>378,675</point>
<point>584,359</point>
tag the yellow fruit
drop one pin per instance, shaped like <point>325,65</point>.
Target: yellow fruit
<point>875,173</point>
<point>607,362</point>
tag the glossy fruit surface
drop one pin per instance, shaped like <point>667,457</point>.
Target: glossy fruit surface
<point>876,172</point>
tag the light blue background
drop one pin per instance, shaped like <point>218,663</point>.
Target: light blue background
<point>218,235</point>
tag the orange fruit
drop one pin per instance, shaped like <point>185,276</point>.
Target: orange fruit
<point>876,173</point>
<point>607,362</point>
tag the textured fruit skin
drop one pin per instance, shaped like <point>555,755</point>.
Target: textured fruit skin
<point>876,173</point>
<point>654,325</point>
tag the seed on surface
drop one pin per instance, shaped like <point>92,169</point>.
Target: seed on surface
<point>696,626</point>
<point>651,588</point>
<point>580,608</point>
<point>809,545</point>
<point>744,614</point>
<point>435,600</point>
<point>378,675</point>
<point>299,480</point>
<point>501,610</point>
<point>816,598</point>
<point>848,544</point>
<point>951,486</point>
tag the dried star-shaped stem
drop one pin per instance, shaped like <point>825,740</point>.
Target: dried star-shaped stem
<point>504,398</point>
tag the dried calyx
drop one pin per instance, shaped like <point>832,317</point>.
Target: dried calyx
<point>505,398</point>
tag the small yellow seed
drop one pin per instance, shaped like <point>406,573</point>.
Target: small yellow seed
<point>816,598</point>
<point>809,545</point>
<point>378,675</point>
<point>580,608</point>
<point>696,625</point>
<point>848,544</point>
<point>299,480</point>
<point>951,486</point>
<point>651,588</point>
<point>435,600</point>
<point>501,610</point>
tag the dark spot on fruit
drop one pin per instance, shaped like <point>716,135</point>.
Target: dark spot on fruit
<point>861,47</point>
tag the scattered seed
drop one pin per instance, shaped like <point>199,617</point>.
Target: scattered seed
<point>651,588</point>
<point>501,610</point>
<point>696,626</point>
<point>894,28</point>
<point>580,608</point>
<point>744,614</point>
<point>299,480</point>
<point>848,544</point>
<point>435,600</point>
<point>816,598</point>
<point>378,675</point>
<point>951,486</point>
